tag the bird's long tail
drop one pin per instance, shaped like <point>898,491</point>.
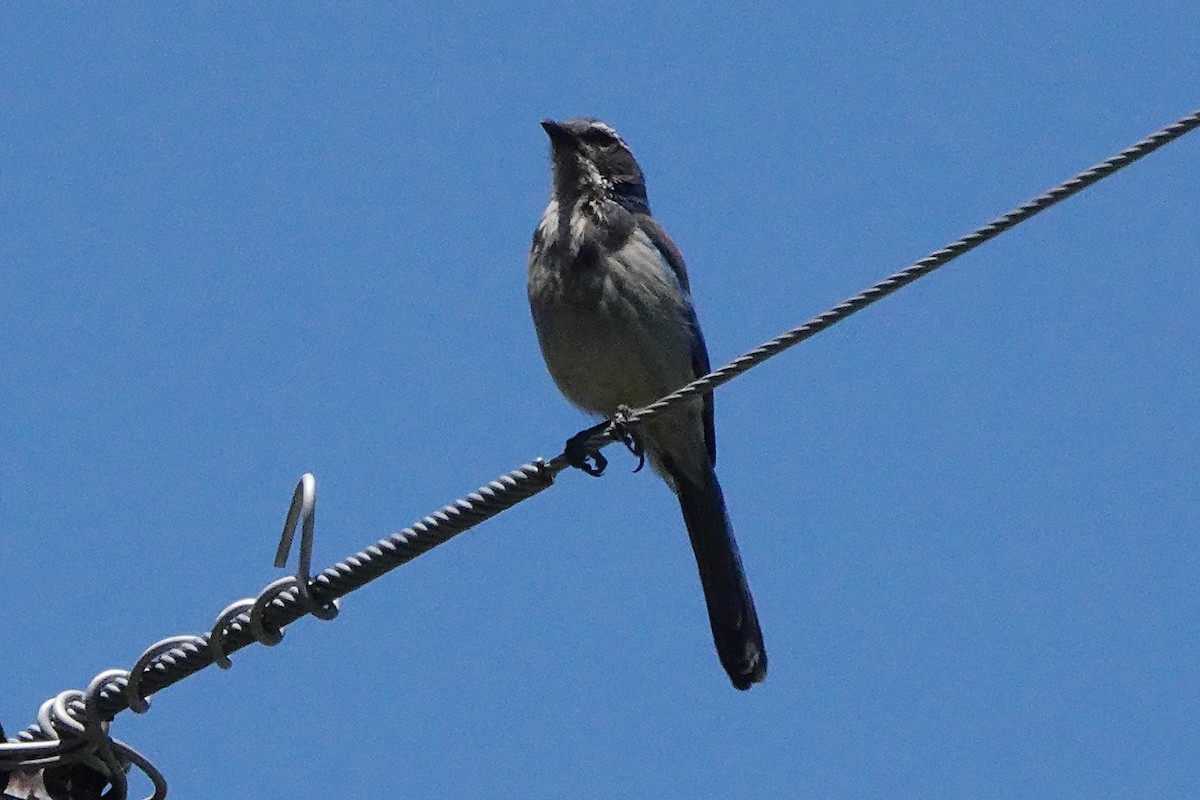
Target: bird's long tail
<point>730,607</point>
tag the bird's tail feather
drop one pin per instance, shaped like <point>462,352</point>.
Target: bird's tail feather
<point>730,607</point>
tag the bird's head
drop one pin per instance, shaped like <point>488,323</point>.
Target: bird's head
<point>591,161</point>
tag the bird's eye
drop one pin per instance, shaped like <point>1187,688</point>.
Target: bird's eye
<point>599,137</point>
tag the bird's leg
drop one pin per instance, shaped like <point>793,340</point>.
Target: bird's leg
<point>581,456</point>
<point>628,436</point>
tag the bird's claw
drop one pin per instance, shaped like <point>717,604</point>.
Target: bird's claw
<point>633,443</point>
<point>583,457</point>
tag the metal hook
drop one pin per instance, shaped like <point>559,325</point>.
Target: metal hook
<point>303,511</point>
<point>304,504</point>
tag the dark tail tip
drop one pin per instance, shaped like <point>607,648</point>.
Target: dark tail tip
<point>757,675</point>
<point>731,612</point>
<point>748,664</point>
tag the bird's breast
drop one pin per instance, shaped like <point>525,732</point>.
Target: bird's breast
<point>613,325</point>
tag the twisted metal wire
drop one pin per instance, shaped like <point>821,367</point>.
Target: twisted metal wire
<point>263,618</point>
<point>171,660</point>
<point>75,747</point>
<point>919,269</point>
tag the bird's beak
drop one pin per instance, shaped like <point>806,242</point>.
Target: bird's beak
<point>558,134</point>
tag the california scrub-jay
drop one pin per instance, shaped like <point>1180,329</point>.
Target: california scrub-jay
<point>610,300</point>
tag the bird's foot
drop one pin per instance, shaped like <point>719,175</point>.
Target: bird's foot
<point>628,436</point>
<point>583,456</point>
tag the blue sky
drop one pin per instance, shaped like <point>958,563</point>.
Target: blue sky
<point>241,243</point>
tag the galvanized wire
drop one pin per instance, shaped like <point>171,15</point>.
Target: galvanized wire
<point>919,269</point>
<point>191,654</point>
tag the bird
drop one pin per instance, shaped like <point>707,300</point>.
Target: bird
<point>612,308</point>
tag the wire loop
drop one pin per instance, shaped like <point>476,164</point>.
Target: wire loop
<point>221,628</point>
<point>138,703</point>
<point>258,628</point>
<point>76,748</point>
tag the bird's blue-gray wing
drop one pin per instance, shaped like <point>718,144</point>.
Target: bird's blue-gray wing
<point>673,259</point>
